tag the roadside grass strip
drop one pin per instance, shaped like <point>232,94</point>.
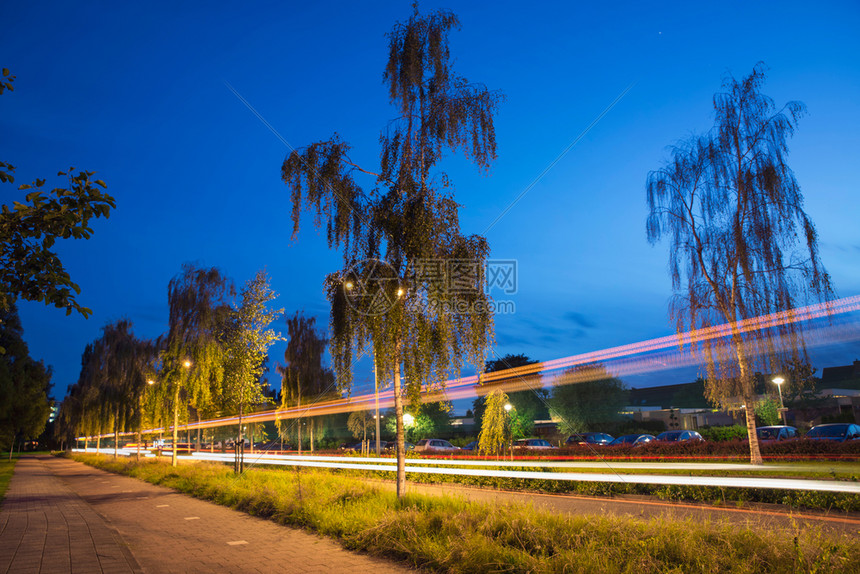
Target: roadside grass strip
<point>449,534</point>
<point>662,479</point>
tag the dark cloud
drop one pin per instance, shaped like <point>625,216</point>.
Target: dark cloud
<point>578,319</point>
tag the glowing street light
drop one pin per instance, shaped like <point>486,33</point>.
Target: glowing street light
<point>186,363</point>
<point>408,420</point>
<point>150,382</point>
<point>778,381</point>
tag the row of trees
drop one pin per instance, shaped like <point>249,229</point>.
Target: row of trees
<point>210,362</point>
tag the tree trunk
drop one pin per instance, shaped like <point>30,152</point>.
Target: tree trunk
<point>240,444</point>
<point>198,432</point>
<point>173,460</point>
<point>401,438</point>
<point>299,421</point>
<point>138,443</point>
<point>311,428</point>
<point>748,396</point>
<point>116,434</point>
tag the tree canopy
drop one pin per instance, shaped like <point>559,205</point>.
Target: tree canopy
<point>30,268</point>
<point>393,294</point>
<point>587,398</point>
<point>24,384</point>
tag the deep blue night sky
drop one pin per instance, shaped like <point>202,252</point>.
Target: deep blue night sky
<point>139,93</point>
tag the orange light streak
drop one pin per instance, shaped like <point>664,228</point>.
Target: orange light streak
<point>624,363</point>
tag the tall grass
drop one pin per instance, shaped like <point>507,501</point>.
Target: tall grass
<point>454,535</point>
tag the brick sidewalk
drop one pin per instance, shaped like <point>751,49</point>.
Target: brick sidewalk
<point>63,516</point>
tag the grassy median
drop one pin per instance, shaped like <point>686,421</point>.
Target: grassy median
<point>453,535</point>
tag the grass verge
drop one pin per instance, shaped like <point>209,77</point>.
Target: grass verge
<point>453,535</point>
<point>801,499</point>
<point>7,468</point>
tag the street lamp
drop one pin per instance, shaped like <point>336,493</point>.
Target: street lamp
<point>778,381</point>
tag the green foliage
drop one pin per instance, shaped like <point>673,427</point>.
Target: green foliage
<point>455,535</point>
<point>410,217</point>
<point>495,429</point>
<point>767,411</point>
<point>403,310</point>
<point>586,398</point>
<point>28,231</point>
<point>24,384</point>
<point>247,337</point>
<point>29,269</point>
<point>359,422</point>
<point>530,404</point>
<point>732,432</point>
<point>109,395</point>
<point>304,379</point>
<point>433,420</point>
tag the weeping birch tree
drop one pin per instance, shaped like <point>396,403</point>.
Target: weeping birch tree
<point>400,234</point>
<point>192,360</point>
<point>303,376</point>
<point>125,360</point>
<point>740,244</point>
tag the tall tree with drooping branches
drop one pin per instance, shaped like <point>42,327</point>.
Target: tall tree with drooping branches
<point>303,375</point>
<point>740,243</point>
<point>192,359</point>
<point>399,238</point>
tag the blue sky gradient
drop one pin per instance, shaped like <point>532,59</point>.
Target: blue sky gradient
<point>139,93</point>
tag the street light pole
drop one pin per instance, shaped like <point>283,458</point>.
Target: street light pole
<point>508,407</point>
<point>778,381</point>
<point>376,398</point>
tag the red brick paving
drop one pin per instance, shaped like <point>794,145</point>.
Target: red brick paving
<point>63,516</point>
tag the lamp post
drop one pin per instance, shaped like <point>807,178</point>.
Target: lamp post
<point>508,407</point>
<point>778,382</point>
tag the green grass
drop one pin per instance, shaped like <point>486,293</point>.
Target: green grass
<point>817,500</point>
<point>7,468</point>
<point>449,534</point>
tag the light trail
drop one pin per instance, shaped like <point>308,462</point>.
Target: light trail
<point>718,481</point>
<point>658,354</point>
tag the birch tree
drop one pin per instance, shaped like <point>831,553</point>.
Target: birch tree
<point>400,233</point>
<point>740,244</point>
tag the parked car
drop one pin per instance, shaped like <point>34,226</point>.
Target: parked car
<point>633,439</point>
<point>391,445</point>
<point>679,436</point>
<point>434,445</point>
<point>471,446</point>
<point>776,433</point>
<point>593,438</point>
<point>839,432</point>
<point>532,443</point>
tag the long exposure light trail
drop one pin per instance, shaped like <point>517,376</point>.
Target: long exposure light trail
<point>656,354</point>
<point>717,481</point>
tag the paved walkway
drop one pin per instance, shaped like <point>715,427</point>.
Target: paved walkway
<point>63,516</point>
